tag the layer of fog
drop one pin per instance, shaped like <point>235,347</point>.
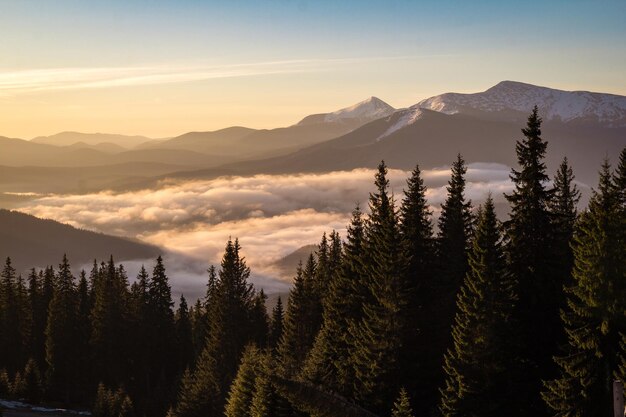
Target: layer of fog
<point>271,215</point>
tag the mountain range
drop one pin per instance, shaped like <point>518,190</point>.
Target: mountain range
<point>584,126</point>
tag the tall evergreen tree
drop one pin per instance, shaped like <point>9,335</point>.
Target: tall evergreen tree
<point>439,294</point>
<point>328,362</point>
<point>477,364</point>
<point>301,321</point>
<point>377,337</point>
<point>184,334</point>
<point>62,334</point>
<point>109,318</point>
<point>276,326</point>
<point>594,317</point>
<point>532,263</point>
<point>242,388</point>
<point>417,235</point>
<point>161,336</point>
<point>12,340</point>
<point>204,392</point>
<point>564,211</point>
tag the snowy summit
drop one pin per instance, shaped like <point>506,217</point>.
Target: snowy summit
<point>566,106</point>
<point>372,108</point>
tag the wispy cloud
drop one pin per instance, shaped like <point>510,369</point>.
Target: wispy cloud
<point>36,80</point>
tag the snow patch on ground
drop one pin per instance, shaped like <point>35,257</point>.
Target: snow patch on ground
<point>16,405</point>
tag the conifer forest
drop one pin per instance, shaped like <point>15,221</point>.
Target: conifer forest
<point>471,315</point>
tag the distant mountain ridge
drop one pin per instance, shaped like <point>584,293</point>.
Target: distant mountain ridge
<point>70,138</point>
<point>33,242</point>
<point>585,127</point>
<point>512,96</point>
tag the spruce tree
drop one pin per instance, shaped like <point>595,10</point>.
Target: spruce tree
<point>377,337</point>
<point>276,326</point>
<point>33,383</point>
<point>402,406</point>
<point>242,389</point>
<point>594,317</point>
<point>328,362</point>
<point>12,337</point>
<point>476,366</point>
<point>301,324</point>
<point>110,319</point>
<point>564,212</point>
<point>62,334</point>
<point>161,336</point>
<point>184,334</point>
<point>437,296</point>
<point>532,264</point>
<point>417,235</point>
<point>230,330</point>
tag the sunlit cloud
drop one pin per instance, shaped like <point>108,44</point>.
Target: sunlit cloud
<point>272,215</point>
<point>36,80</point>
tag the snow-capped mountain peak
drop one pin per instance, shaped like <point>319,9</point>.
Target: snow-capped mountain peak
<point>566,106</point>
<point>372,108</point>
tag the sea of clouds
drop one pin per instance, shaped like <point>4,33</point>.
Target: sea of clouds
<point>271,215</point>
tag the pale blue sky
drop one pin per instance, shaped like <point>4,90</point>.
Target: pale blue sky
<point>164,67</point>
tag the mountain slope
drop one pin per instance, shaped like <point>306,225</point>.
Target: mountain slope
<point>433,139</point>
<point>245,143</point>
<point>34,242</point>
<point>510,97</point>
<point>365,111</point>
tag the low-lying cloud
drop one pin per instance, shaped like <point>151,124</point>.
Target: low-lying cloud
<point>272,215</point>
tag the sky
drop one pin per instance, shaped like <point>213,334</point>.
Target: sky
<point>162,68</point>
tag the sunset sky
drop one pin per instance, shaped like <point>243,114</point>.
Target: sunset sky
<point>162,68</point>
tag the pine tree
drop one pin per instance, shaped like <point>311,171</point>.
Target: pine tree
<point>564,213</point>
<point>161,336</point>
<point>477,364</point>
<point>265,400</point>
<point>259,319</point>
<point>184,333</point>
<point>594,317</point>
<point>199,322</point>
<point>620,178</point>
<point>61,334</point>
<point>532,263</point>
<point>417,235</point>
<point>402,406</point>
<point>33,384</point>
<point>328,361</point>
<point>301,325</point>
<point>440,277</point>
<point>109,341</point>
<point>276,326</point>
<point>242,388</point>
<point>377,337</point>
<point>203,392</point>
<point>12,341</point>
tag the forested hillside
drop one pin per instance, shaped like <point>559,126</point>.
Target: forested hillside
<point>473,317</point>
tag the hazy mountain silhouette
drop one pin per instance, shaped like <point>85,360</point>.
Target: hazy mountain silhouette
<point>70,138</point>
<point>34,242</point>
